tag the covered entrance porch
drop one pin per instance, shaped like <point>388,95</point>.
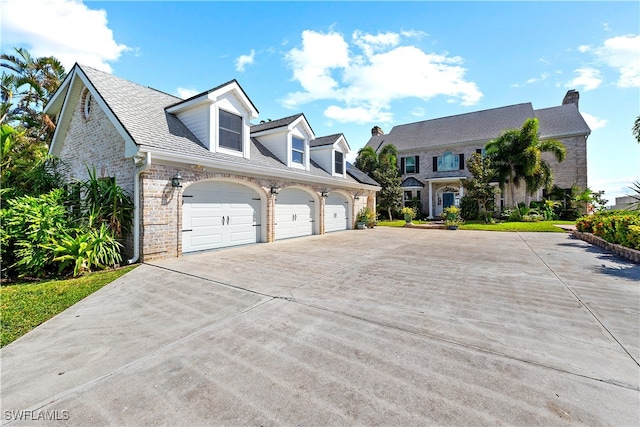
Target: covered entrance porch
<point>442,193</point>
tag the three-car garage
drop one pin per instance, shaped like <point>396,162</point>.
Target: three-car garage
<point>218,214</point>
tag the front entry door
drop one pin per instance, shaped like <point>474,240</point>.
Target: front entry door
<point>447,200</point>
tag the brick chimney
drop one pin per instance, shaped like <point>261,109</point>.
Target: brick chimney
<point>376,130</point>
<point>571,97</point>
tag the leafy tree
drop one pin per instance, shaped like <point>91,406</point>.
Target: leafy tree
<point>636,129</point>
<point>26,168</point>
<point>479,186</point>
<point>517,156</point>
<point>26,88</point>
<point>383,168</point>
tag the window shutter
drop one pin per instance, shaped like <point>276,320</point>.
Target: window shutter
<point>461,161</point>
<point>435,164</point>
<point>417,164</point>
<point>402,165</point>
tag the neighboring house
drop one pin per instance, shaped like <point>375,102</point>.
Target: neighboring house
<point>432,153</point>
<point>201,175</point>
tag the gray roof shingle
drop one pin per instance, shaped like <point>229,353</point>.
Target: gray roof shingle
<point>141,111</point>
<point>274,124</point>
<point>411,182</point>
<point>482,125</point>
<point>325,140</point>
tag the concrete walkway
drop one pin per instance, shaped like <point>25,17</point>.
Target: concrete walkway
<point>384,326</point>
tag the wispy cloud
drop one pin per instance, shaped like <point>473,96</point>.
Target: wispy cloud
<point>363,75</point>
<point>588,78</point>
<point>66,29</point>
<point>184,93</point>
<point>620,53</point>
<point>243,60</point>
<point>593,121</point>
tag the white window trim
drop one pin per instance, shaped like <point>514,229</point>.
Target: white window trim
<point>333,162</point>
<point>244,137</point>
<point>305,153</point>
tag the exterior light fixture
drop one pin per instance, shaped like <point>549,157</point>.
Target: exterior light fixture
<point>275,190</point>
<point>175,181</point>
<point>324,193</point>
<point>356,196</point>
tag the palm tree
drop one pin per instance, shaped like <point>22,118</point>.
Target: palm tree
<point>383,168</point>
<point>34,82</point>
<point>517,156</point>
<point>636,129</point>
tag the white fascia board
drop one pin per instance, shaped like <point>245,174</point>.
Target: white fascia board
<point>449,178</point>
<point>281,129</point>
<point>342,142</point>
<point>305,124</point>
<point>568,135</point>
<point>321,147</point>
<point>238,93</point>
<point>54,106</point>
<point>198,100</point>
<point>251,170</point>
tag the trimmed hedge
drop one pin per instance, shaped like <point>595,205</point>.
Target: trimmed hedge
<point>620,227</point>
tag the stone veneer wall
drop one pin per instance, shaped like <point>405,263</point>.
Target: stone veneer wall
<point>161,209</point>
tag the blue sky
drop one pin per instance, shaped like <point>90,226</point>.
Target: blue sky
<point>352,65</point>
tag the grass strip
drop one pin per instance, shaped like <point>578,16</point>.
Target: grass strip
<point>23,306</point>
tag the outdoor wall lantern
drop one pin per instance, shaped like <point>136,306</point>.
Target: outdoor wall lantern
<point>324,193</point>
<point>275,190</point>
<point>175,181</point>
<point>356,196</point>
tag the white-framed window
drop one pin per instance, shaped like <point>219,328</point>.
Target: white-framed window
<point>448,162</point>
<point>297,150</point>
<point>410,165</point>
<point>338,166</point>
<point>230,131</point>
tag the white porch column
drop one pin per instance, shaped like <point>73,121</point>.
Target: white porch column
<point>430,200</point>
<point>461,190</point>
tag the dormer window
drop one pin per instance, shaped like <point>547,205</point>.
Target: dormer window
<point>338,166</point>
<point>297,150</point>
<point>230,131</point>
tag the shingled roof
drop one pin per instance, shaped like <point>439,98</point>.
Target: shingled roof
<point>274,124</point>
<point>141,112</point>
<point>482,126</point>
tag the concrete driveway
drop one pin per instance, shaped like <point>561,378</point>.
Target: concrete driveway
<point>369,327</point>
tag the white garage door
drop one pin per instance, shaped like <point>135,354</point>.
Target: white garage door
<point>335,213</point>
<point>294,213</point>
<point>219,214</point>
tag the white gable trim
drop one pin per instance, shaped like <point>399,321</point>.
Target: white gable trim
<point>77,83</point>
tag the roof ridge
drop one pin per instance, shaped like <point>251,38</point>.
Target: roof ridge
<point>465,114</point>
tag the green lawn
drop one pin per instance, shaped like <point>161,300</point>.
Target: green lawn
<point>24,306</point>
<point>541,226</point>
<point>398,223</point>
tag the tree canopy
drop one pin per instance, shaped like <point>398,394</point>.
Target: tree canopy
<point>383,167</point>
<point>516,156</point>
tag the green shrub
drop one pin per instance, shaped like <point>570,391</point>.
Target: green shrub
<point>469,208</point>
<point>29,224</point>
<point>87,249</point>
<point>619,227</point>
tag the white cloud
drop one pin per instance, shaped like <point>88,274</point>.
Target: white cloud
<point>418,112</point>
<point>184,93</point>
<point>593,121</point>
<point>588,78</point>
<point>616,187</point>
<point>66,29</point>
<point>584,48</point>
<point>243,60</point>
<point>369,74</point>
<point>623,54</point>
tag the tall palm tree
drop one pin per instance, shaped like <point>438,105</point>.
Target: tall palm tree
<point>517,156</point>
<point>636,129</point>
<point>34,82</point>
<point>383,167</point>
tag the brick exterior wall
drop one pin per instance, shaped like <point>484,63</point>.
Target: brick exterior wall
<point>572,171</point>
<point>95,142</point>
<point>161,210</point>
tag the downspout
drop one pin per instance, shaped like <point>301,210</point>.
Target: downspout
<point>136,203</point>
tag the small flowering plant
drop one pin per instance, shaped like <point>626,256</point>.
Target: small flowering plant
<point>410,212</point>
